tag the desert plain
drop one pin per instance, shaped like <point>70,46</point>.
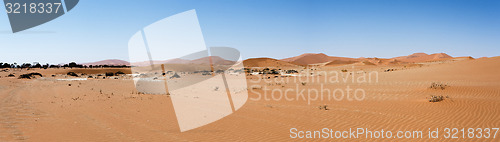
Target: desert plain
<point>397,97</point>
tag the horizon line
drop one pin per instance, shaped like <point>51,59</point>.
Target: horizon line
<point>253,58</point>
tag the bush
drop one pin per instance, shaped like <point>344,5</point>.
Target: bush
<point>24,76</point>
<point>118,73</point>
<point>436,98</point>
<point>323,107</point>
<point>72,74</point>
<point>11,75</point>
<point>35,73</point>
<point>109,74</point>
<point>291,71</point>
<point>175,76</point>
<point>29,75</point>
<point>435,85</point>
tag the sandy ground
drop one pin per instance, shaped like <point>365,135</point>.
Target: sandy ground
<point>45,109</point>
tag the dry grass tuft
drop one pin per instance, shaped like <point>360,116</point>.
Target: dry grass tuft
<point>435,85</point>
<point>437,98</point>
<point>323,107</point>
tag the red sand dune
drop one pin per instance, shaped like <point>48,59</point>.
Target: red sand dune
<point>268,62</point>
<point>45,109</point>
<point>109,62</point>
<point>171,61</point>
<point>312,58</point>
<point>215,60</point>
<point>423,57</point>
<point>323,59</point>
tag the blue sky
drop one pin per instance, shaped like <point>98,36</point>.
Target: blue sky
<point>96,29</point>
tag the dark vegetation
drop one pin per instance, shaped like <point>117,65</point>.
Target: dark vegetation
<point>323,107</point>
<point>109,74</point>
<point>389,70</point>
<point>72,74</point>
<point>270,71</point>
<point>267,71</point>
<point>30,75</point>
<point>175,76</point>
<point>119,73</point>
<point>437,98</point>
<point>438,86</point>
<point>435,85</point>
<point>291,71</point>
<point>46,66</point>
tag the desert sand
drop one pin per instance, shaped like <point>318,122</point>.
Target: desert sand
<point>111,109</point>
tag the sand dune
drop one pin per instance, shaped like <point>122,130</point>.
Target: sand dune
<point>44,109</point>
<point>115,62</point>
<point>268,62</point>
<point>205,60</point>
<point>311,58</point>
<point>423,57</point>
<point>321,59</point>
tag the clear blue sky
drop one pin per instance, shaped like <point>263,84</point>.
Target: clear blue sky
<point>100,29</point>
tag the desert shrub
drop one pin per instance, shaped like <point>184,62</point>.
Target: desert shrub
<point>109,74</point>
<point>206,73</point>
<point>29,75</point>
<point>175,76</point>
<point>219,71</point>
<point>323,107</point>
<point>24,76</point>
<point>291,71</point>
<point>436,98</point>
<point>304,83</point>
<point>435,85</point>
<point>11,75</point>
<point>344,70</point>
<point>118,73</point>
<point>274,71</point>
<point>72,74</point>
<point>35,73</point>
<point>256,87</point>
<point>388,70</point>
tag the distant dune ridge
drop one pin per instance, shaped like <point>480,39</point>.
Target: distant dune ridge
<point>320,59</point>
<point>325,60</point>
<point>215,60</point>
<point>95,107</point>
<point>266,62</point>
<point>422,57</point>
<point>311,58</point>
<point>109,62</point>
